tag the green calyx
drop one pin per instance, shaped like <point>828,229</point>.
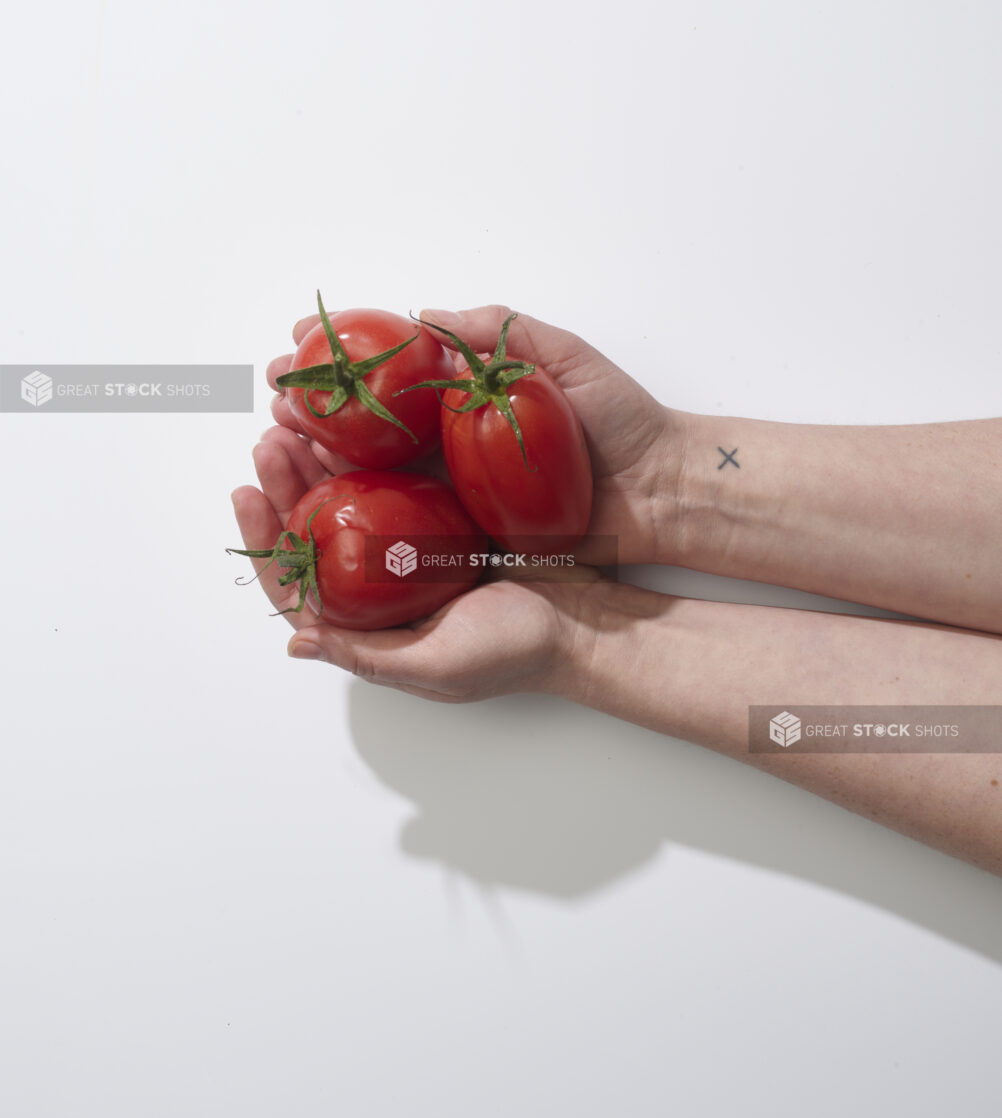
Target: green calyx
<point>299,562</point>
<point>489,382</point>
<point>343,378</point>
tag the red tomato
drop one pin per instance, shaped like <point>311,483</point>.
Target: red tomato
<point>335,546</point>
<point>362,428</point>
<point>550,499</point>
<point>517,457</point>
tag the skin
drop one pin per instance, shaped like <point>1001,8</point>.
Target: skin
<point>895,517</point>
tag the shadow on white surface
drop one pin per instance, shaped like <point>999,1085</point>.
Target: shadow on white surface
<point>543,796</point>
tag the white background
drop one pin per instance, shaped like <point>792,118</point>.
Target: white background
<point>233,884</point>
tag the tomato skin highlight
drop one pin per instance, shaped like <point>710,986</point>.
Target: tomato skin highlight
<point>382,503</point>
<point>353,431</point>
<point>550,501</point>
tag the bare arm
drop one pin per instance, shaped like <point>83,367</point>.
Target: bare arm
<point>691,669</point>
<point>908,518</point>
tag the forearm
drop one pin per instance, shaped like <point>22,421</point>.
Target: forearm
<point>692,668</point>
<point>907,518</point>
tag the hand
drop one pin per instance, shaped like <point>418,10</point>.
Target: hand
<point>636,444</point>
<point>504,635</point>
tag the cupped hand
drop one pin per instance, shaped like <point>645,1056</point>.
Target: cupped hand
<point>636,444</point>
<point>502,636</point>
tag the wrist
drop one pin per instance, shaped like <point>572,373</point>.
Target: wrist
<point>594,621</point>
<point>681,508</point>
<point>579,610</point>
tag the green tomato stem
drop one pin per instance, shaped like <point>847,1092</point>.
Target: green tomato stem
<point>344,378</point>
<point>299,562</point>
<point>489,381</point>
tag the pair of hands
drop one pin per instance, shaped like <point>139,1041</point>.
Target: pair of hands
<point>507,634</point>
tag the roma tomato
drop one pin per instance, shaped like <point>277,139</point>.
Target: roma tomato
<point>373,548</point>
<point>516,452</point>
<point>343,380</point>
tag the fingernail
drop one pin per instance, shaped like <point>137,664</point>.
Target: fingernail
<point>305,650</point>
<point>443,318</point>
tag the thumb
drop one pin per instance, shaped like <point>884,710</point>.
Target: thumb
<point>378,655</point>
<point>529,339</point>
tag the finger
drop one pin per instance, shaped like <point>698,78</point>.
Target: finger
<point>331,462</point>
<point>305,325</point>
<point>282,414</point>
<point>529,339</point>
<point>386,656</point>
<point>281,483</point>
<point>459,361</point>
<point>300,453</point>
<point>260,528</point>
<point>259,524</point>
<point>278,367</point>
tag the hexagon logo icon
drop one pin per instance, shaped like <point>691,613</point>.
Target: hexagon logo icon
<point>36,389</point>
<point>784,729</point>
<point>401,559</point>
